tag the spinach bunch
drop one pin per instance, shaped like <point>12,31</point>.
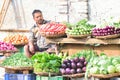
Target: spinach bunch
<point>44,62</point>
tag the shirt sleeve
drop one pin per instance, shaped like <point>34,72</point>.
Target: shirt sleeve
<point>31,35</point>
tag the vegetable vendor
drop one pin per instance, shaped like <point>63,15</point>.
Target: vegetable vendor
<point>36,41</point>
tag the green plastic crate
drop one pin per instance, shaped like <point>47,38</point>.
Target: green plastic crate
<point>50,78</point>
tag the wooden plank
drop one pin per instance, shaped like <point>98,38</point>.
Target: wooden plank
<point>13,30</point>
<point>110,50</point>
<point>84,41</point>
<point>74,48</point>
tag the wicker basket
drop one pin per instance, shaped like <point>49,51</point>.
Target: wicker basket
<point>78,36</point>
<point>17,68</point>
<point>78,75</point>
<point>8,51</point>
<point>21,44</point>
<point>105,76</point>
<point>108,36</point>
<point>46,74</point>
<point>52,35</point>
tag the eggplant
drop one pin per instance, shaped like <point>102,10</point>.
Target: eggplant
<point>85,63</point>
<point>80,65</point>
<point>69,65</point>
<point>63,65</point>
<point>73,65</point>
<point>62,71</point>
<point>79,70</point>
<point>82,59</point>
<point>83,69</point>
<point>73,71</point>
<point>67,71</point>
<point>76,59</point>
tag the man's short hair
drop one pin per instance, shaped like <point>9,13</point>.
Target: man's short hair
<point>36,11</point>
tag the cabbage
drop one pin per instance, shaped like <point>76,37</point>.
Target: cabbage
<point>115,62</point>
<point>103,57</point>
<point>111,69</point>
<point>102,62</point>
<point>95,61</point>
<point>117,68</point>
<point>94,70</point>
<point>103,70</point>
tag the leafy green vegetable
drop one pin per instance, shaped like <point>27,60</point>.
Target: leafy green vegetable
<point>44,62</point>
<point>18,60</point>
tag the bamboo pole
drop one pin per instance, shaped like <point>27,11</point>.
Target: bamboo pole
<point>3,11</point>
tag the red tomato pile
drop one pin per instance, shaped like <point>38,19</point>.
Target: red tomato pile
<point>53,29</point>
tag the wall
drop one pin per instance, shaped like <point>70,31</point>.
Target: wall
<point>19,12</point>
<point>57,10</point>
<point>100,10</point>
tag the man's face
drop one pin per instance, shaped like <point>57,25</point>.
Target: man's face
<point>38,17</point>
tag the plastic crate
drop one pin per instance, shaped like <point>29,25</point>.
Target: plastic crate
<point>50,78</point>
<point>20,76</point>
<point>115,78</point>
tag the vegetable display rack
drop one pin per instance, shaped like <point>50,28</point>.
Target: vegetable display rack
<point>23,70</point>
<point>105,76</point>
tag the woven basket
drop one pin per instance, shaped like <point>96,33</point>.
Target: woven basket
<point>46,74</point>
<point>8,51</point>
<point>78,75</point>
<point>17,68</point>
<point>78,36</point>
<point>52,35</point>
<point>108,36</point>
<point>105,76</point>
<point>21,44</point>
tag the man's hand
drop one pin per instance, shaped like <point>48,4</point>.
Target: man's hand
<point>31,47</point>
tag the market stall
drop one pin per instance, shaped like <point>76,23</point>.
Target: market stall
<point>85,35</point>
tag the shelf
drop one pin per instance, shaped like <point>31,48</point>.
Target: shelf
<point>84,41</point>
<point>13,30</point>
